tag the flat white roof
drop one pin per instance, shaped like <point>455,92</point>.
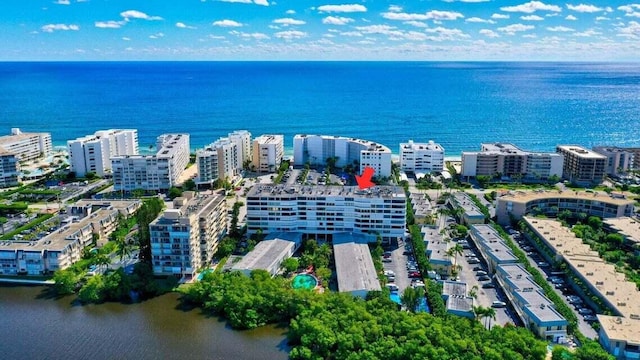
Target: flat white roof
<point>354,265</point>
<point>626,226</point>
<point>581,152</point>
<point>265,254</point>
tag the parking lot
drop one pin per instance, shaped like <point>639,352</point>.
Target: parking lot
<point>397,263</point>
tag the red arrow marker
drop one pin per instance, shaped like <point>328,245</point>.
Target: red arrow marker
<point>364,180</point>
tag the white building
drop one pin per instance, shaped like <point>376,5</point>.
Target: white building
<point>619,160</point>
<point>316,149</point>
<point>504,159</point>
<point>9,169</point>
<point>27,146</point>
<point>219,160</point>
<point>321,211</point>
<point>185,238</point>
<point>269,254</point>
<point>242,139</point>
<point>268,151</point>
<point>354,266</point>
<point>421,157</point>
<point>153,172</point>
<point>93,153</point>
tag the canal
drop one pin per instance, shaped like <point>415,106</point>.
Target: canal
<point>37,326</point>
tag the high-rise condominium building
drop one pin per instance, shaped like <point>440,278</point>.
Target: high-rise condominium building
<point>619,160</point>
<point>421,157</point>
<point>153,172</point>
<point>217,161</point>
<point>27,146</point>
<point>93,153</point>
<point>242,139</point>
<point>317,149</point>
<point>268,151</point>
<point>582,166</point>
<point>184,239</point>
<point>500,159</point>
<point>9,174</point>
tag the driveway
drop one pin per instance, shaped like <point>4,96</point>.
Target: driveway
<point>398,265</point>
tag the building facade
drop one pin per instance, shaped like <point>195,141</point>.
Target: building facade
<point>421,157</point>
<point>27,146</point>
<point>242,139</point>
<point>619,160</point>
<point>582,166</point>
<point>93,153</point>
<point>470,213</point>
<point>9,169</point>
<point>321,211</point>
<point>185,238</point>
<point>492,246</point>
<point>153,172</point>
<point>219,160</point>
<point>316,149</point>
<point>504,159</point>
<point>268,151</point>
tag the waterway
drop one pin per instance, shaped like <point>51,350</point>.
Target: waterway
<point>37,326</point>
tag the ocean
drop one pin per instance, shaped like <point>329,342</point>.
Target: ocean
<point>457,104</point>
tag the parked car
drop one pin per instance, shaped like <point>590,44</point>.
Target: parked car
<point>590,318</point>
<point>488,285</point>
<point>585,311</point>
<point>498,304</point>
<point>415,274</point>
<point>484,278</point>
<point>543,264</point>
<point>478,268</point>
<point>392,287</point>
<point>481,273</point>
<point>386,260</point>
<point>387,254</point>
<point>473,261</point>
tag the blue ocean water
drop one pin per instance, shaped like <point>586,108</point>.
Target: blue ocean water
<point>459,105</point>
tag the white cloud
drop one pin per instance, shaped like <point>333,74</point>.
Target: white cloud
<point>631,10</point>
<point>531,7</point>
<point>584,8</point>
<point>532,18</point>
<point>466,1</point>
<point>290,12</point>
<point>514,28</point>
<point>290,35</point>
<point>571,17</point>
<point>489,33</point>
<point>126,38</point>
<point>352,34</point>
<point>395,8</point>
<point>288,21</point>
<point>587,33</point>
<point>343,8</point>
<point>444,15</point>
<point>135,14</point>
<point>244,35</point>
<point>257,2</point>
<point>446,33</point>
<point>336,20</point>
<point>632,30</point>
<point>479,20</point>
<point>431,15</point>
<point>560,29</point>
<point>419,24</point>
<point>111,24</point>
<point>63,2</point>
<point>59,27</point>
<point>602,18</point>
<point>156,36</point>
<point>182,25</point>
<point>500,16</point>
<point>226,23</point>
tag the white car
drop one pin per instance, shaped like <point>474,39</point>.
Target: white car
<point>498,304</point>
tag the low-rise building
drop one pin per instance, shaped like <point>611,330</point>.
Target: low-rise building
<point>628,227</point>
<point>456,299</point>
<point>354,266</point>
<point>422,209</point>
<point>421,157</point>
<point>268,152</point>
<point>582,166</point>
<point>9,169</point>
<point>515,205</point>
<point>27,146</point>
<point>619,160</point>
<point>185,238</point>
<point>269,254</point>
<point>437,251</point>
<point>471,214</point>
<point>321,211</point>
<point>492,246</point>
<point>535,310</point>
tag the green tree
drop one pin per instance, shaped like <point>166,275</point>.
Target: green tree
<point>411,298</point>
<point>122,249</point>
<point>174,192</point>
<point>290,265</point>
<point>65,282</point>
<point>102,260</point>
<point>93,290</point>
<point>454,251</point>
<point>189,185</point>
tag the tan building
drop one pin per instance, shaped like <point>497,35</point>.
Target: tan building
<point>619,160</point>
<point>517,204</point>
<point>27,146</point>
<point>268,151</point>
<point>582,166</point>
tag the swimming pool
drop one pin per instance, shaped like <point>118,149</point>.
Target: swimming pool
<point>304,281</point>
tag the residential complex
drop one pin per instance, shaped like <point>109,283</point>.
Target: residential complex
<point>157,172</point>
<point>93,153</point>
<point>619,160</point>
<point>27,146</point>
<point>242,139</point>
<point>269,254</point>
<point>218,161</point>
<point>515,205</point>
<point>492,246</point>
<point>503,159</point>
<point>421,157</point>
<point>316,149</point>
<point>354,266</point>
<point>268,151</point>
<point>628,227</point>
<point>470,213</point>
<point>436,247</point>
<point>456,299</point>
<point>618,332</point>
<point>64,244</point>
<point>535,310</point>
<point>9,169</point>
<point>184,238</point>
<point>422,209</point>
<point>321,211</point>
<point>582,166</point>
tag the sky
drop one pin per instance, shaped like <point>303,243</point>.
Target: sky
<point>549,30</point>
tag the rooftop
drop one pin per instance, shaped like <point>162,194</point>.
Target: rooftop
<point>421,146</point>
<point>494,245</point>
<point>354,265</point>
<point>293,191</point>
<point>581,152</point>
<point>502,148</point>
<point>189,204</point>
<point>371,146</point>
<point>463,200</point>
<point>269,139</point>
<point>626,226</point>
<point>526,196</point>
<point>436,246</point>
<point>456,294</point>
<point>171,143</point>
<point>267,252</point>
<point>619,328</point>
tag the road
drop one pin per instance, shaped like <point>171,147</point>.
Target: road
<point>398,265</point>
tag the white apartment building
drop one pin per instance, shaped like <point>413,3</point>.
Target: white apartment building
<point>582,166</point>
<point>153,172</point>
<point>185,238</point>
<point>508,160</point>
<point>421,157</point>
<point>93,153</point>
<point>322,211</point>
<point>27,146</point>
<point>9,169</point>
<point>619,160</point>
<point>219,160</point>
<point>242,139</point>
<point>268,151</point>
<point>316,149</point>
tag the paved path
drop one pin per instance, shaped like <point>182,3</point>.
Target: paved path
<point>27,281</point>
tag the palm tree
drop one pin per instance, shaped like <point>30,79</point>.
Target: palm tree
<point>122,250</point>
<point>103,259</point>
<point>473,293</point>
<point>455,251</point>
<point>479,312</point>
<point>491,314</point>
